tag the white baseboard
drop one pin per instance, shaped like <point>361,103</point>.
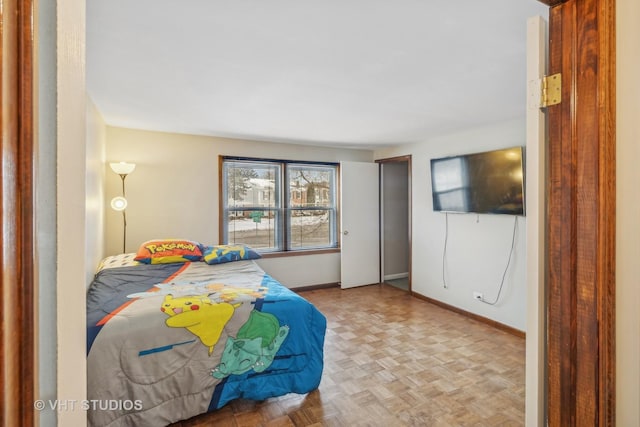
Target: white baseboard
<point>396,276</point>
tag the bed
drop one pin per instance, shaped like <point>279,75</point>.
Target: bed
<point>168,341</point>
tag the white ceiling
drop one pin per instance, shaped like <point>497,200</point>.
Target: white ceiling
<point>352,73</point>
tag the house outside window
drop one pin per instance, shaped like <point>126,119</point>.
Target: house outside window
<point>279,206</point>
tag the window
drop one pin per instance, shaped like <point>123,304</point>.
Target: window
<point>276,206</point>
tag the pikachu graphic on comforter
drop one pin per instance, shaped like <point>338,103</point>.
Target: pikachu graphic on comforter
<point>202,317</point>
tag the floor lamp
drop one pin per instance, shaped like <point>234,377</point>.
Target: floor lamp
<point>120,203</point>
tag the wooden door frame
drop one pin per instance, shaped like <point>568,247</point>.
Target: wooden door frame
<point>581,215</point>
<point>17,334</point>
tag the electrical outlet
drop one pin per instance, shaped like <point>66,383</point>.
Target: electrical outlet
<point>477,295</point>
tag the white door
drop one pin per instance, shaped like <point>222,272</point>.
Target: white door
<point>359,224</point>
<point>535,206</point>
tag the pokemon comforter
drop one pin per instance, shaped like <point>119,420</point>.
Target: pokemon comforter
<point>167,342</point>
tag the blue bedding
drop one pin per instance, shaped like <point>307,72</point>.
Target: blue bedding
<point>167,342</point>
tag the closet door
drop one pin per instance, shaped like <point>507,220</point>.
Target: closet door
<point>359,224</point>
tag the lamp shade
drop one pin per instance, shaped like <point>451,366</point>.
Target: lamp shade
<point>118,203</point>
<point>122,168</point>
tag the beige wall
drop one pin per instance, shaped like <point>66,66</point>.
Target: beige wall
<point>173,192</point>
<point>628,214</point>
<point>95,154</point>
<point>477,245</point>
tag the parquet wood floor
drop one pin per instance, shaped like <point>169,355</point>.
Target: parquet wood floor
<point>395,360</point>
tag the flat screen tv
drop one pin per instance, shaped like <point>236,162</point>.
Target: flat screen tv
<point>491,182</point>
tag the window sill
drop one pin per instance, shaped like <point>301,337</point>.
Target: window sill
<point>300,253</point>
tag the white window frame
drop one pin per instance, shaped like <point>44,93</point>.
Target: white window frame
<point>281,211</point>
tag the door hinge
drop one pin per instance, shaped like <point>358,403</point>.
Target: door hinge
<point>551,90</point>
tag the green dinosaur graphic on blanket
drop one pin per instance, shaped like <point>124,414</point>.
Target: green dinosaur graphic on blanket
<point>199,315</point>
<point>254,346</point>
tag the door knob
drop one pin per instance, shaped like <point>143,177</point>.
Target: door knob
<point>345,232</point>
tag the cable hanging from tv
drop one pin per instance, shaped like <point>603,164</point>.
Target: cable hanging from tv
<point>504,274</point>
<point>444,249</point>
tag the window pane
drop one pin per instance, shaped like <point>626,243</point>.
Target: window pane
<point>449,174</point>
<point>254,228</point>
<point>455,200</point>
<point>311,186</point>
<point>252,184</point>
<point>311,228</point>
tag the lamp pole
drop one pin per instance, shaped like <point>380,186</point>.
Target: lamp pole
<point>122,169</point>
<point>124,217</point>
